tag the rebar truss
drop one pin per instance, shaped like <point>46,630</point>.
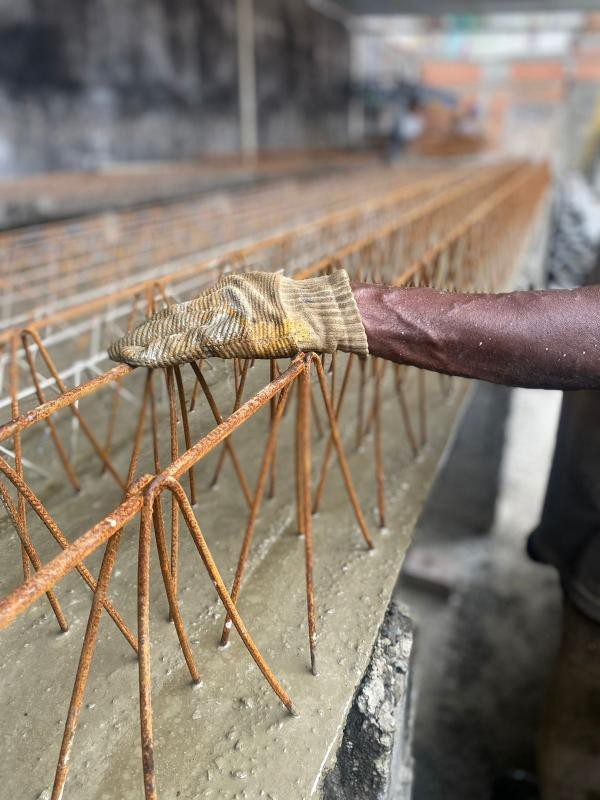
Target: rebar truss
<point>468,236</point>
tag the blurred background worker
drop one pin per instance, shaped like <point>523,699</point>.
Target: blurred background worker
<point>408,126</point>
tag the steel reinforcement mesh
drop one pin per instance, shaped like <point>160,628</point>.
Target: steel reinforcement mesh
<point>141,447</point>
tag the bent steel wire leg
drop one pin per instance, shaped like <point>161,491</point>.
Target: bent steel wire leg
<point>422,408</point>
<point>14,407</point>
<point>238,401</point>
<point>337,440</point>
<point>304,413</point>
<point>408,428</point>
<point>59,536</point>
<point>170,381</point>
<point>113,415</point>
<point>85,662</point>
<point>85,427</point>
<point>195,390</point>
<point>300,521</point>
<point>258,497</point>
<point>333,372</point>
<point>154,419</point>
<point>112,421</point>
<point>68,467</point>
<point>360,411</point>
<point>171,588</point>
<point>31,552</point>
<point>329,446</point>
<point>194,529</point>
<point>379,476</point>
<point>273,373</point>
<point>186,431</point>
<point>228,443</point>
<point>139,431</point>
<point>144,667</point>
<point>316,417</point>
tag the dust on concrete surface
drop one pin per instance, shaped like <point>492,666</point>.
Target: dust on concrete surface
<point>230,737</point>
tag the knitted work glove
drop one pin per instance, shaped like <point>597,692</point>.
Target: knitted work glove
<point>250,315</point>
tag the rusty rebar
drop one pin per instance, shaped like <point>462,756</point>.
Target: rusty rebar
<point>228,443</point>
<point>85,661</point>
<point>174,567</point>
<point>76,552</point>
<point>49,421</point>
<point>239,393</point>
<point>342,461</point>
<point>31,552</point>
<point>379,471</point>
<point>329,446</point>
<point>58,535</point>
<point>256,504</point>
<point>170,584</point>
<point>186,431</point>
<point>304,412</point>
<point>14,389</point>
<point>502,202</point>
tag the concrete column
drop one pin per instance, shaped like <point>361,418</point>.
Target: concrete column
<point>356,105</point>
<point>247,79</point>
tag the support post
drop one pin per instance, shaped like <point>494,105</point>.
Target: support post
<point>247,79</point>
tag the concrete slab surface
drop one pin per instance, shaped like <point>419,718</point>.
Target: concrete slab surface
<point>229,737</point>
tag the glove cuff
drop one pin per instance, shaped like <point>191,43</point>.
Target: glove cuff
<point>324,314</point>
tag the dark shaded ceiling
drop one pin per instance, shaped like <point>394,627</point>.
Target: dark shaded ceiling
<point>432,8</point>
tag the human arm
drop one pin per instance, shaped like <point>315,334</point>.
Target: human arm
<point>539,339</point>
<point>544,339</point>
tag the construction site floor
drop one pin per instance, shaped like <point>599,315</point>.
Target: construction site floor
<point>488,618</point>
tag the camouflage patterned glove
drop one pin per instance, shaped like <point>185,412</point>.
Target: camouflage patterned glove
<point>250,315</point>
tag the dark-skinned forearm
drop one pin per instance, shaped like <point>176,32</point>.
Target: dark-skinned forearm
<point>543,339</point>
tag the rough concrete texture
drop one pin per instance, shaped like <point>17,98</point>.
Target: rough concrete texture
<point>230,737</point>
<point>88,83</point>
<point>374,761</point>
